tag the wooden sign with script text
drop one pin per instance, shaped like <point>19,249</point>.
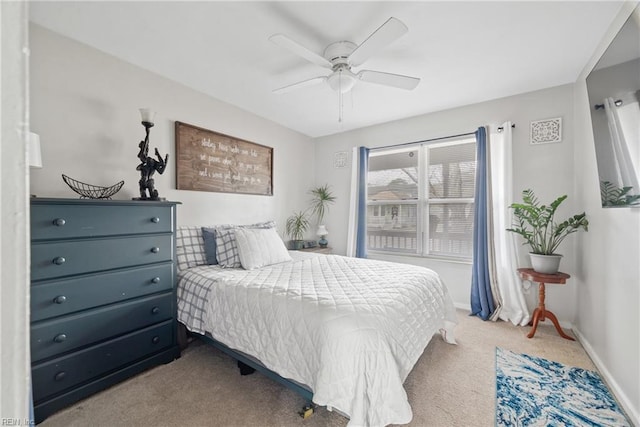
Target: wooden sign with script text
<point>211,161</point>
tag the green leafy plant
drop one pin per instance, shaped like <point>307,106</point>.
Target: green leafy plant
<point>616,196</point>
<point>297,225</point>
<point>322,197</point>
<point>536,224</point>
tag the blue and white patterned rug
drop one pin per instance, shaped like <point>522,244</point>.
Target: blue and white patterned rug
<point>532,391</point>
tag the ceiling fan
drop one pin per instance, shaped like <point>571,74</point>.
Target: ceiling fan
<point>339,57</point>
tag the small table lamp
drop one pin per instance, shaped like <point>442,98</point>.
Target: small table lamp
<point>35,155</point>
<point>322,231</point>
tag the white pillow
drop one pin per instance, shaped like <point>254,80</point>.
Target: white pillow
<point>260,247</point>
<point>226,247</point>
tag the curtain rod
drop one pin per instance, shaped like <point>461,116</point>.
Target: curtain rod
<point>421,142</point>
<point>500,129</point>
<point>513,126</point>
<point>617,102</point>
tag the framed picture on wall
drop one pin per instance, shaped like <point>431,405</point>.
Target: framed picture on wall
<point>546,131</point>
<point>212,161</point>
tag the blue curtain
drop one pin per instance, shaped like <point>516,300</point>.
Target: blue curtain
<point>481,297</point>
<point>361,221</point>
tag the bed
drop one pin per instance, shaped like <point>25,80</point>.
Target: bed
<point>347,330</point>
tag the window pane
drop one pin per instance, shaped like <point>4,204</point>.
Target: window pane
<point>392,227</point>
<point>393,176</point>
<point>452,171</point>
<point>451,229</point>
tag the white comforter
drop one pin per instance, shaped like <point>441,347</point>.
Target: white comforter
<point>351,329</point>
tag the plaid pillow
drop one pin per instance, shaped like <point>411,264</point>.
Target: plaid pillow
<point>226,248</point>
<point>189,247</point>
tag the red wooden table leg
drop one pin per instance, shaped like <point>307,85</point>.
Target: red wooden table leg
<point>539,312</point>
<point>534,322</point>
<point>554,319</point>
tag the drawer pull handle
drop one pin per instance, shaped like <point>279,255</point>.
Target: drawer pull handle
<point>60,299</point>
<point>155,280</point>
<point>155,220</point>
<point>60,376</point>
<point>60,338</point>
<point>155,249</point>
<point>59,260</point>
<point>59,222</point>
<point>155,340</point>
<point>155,310</point>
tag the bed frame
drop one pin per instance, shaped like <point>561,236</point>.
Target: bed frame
<point>248,365</point>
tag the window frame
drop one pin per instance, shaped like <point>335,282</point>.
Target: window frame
<point>423,202</point>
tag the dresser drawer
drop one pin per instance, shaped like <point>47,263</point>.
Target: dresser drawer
<point>65,296</point>
<point>61,221</point>
<point>57,259</point>
<point>53,337</point>
<point>63,373</point>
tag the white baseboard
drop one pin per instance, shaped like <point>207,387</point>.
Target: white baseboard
<point>462,306</point>
<point>622,398</point>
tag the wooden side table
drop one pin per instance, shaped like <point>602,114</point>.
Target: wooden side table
<point>540,314</point>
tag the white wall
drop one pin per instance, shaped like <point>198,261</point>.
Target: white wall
<point>608,264</point>
<point>547,169</point>
<point>14,233</point>
<point>85,108</point>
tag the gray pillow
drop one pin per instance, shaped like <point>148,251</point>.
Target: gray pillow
<point>209,237</point>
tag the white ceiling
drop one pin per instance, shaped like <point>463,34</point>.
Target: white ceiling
<point>464,52</point>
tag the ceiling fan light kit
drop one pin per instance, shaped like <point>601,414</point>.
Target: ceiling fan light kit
<point>340,56</point>
<point>342,80</point>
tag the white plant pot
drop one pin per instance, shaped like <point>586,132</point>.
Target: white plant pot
<point>546,264</point>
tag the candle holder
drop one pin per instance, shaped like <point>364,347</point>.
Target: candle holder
<point>149,165</point>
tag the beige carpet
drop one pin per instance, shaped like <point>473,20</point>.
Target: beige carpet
<point>449,386</point>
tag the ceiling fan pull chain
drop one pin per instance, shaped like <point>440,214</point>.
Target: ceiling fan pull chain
<point>340,98</point>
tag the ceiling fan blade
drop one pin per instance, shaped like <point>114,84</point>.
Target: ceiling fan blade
<point>298,49</point>
<point>388,32</point>
<point>299,85</point>
<point>388,79</point>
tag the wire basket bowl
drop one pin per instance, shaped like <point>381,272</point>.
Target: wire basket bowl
<point>88,191</point>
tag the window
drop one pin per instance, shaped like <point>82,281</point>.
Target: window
<point>420,199</point>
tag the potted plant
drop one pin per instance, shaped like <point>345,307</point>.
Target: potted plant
<point>537,225</point>
<point>321,198</point>
<point>616,196</point>
<point>297,225</point>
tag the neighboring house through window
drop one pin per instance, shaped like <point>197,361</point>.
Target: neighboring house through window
<point>420,199</point>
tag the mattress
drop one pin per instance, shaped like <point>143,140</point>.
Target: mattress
<point>350,329</point>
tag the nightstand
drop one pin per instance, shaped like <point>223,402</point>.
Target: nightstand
<point>320,250</point>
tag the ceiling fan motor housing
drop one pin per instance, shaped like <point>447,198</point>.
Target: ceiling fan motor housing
<point>342,79</point>
<point>338,53</point>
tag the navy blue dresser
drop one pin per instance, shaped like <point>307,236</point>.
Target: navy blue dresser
<point>103,301</point>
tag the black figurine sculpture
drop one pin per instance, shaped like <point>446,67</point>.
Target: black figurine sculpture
<point>149,166</point>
